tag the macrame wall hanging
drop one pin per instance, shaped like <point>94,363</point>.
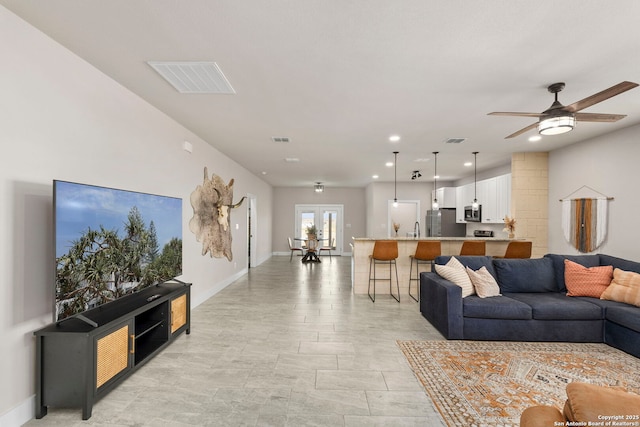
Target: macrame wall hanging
<point>584,218</point>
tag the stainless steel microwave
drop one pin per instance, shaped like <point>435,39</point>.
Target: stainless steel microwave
<point>473,216</point>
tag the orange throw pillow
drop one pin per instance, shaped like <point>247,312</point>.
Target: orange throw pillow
<point>625,287</point>
<point>586,282</point>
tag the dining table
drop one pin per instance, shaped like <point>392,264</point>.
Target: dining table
<point>311,246</point>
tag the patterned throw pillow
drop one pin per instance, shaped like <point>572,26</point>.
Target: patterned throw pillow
<point>625,287</point>
<point>586,282</point>
<point>484,283</point>
<point>455,272</point>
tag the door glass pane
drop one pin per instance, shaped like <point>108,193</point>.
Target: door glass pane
<point>329,227</point>
<point>307,219</point>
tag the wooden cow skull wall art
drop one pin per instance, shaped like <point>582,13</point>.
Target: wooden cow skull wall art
<point>212,202</point>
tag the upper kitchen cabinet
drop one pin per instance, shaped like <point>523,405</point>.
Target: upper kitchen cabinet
<point>494,195</point>
<point>503,194</point>
<point>446,197</point>
<point>464,197</point>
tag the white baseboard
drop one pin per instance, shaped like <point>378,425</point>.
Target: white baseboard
<point>19,415</point>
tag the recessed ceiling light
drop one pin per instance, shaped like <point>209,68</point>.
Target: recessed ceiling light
<point>389,164</point>
<point>291,159</point>
<point>436,176</point>
<point>421,159</point>
<point>394,138</point>
<point>467,164</point>
<point>535,138</point>
<point>375,177</point>
<point>264,172</point>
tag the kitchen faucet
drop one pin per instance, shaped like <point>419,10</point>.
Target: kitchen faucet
<point>416,226</point>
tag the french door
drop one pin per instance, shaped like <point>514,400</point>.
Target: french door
<point>328,222</point>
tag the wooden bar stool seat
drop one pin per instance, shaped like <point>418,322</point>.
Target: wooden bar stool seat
<point>517,249</point>
<point>384,252</point>
<point>473,247</point>
<point>426,253</point>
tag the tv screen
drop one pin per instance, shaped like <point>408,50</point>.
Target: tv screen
<point>110,243</point>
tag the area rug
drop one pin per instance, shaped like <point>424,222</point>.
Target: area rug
<point>484,383</point>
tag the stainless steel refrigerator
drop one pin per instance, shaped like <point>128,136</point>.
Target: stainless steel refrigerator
<point>442,223</point>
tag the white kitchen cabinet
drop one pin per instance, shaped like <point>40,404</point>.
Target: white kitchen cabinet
<point>446,197</point>
<point>464,197</point>
<point>503,195</point>
<point>487,197</point>
<point>494,194</point>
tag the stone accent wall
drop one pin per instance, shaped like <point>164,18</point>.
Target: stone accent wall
<point>530,199</point>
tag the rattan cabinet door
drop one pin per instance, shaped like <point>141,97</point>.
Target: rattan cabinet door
<point>178,312</point>
<point>112,354</point>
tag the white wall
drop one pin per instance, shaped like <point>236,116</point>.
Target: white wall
<point>607,164</point>
<point>60,118</point>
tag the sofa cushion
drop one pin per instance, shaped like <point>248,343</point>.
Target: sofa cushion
<point>473,262</point>
<point>456,273</point>
<point>558,265</point>
<point>624,315</point>
<point>625,287</point>
<point>525,275</point>
<point>495,308</point>
<point>484,283</point>
<point>586,281</point>
<point>620,263</point>
<point>557,306</point>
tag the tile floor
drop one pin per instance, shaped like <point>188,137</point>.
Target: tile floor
<point>286,345</point>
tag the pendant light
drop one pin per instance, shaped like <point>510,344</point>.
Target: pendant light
<point>475,205</point>
<point>434,205</point>
<point>395,180</point>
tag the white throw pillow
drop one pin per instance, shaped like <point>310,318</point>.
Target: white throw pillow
<point>455,272</point>
<point>484,283</point>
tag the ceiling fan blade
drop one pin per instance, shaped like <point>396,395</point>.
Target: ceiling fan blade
<point>597,117</point>
<point>600,96</point>
<point>523,130</point>
<point>511,113</point>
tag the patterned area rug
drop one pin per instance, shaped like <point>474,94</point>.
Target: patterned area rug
<point>484,383</point>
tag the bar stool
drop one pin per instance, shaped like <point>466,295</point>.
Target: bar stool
<point>384,252</point>
<point>426,253</point>
<point>473,247</point>
<point>517,249</point>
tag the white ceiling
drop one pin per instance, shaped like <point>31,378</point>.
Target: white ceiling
<point>338,77</point>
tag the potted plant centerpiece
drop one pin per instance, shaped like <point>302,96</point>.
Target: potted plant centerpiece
<point>312,232</point>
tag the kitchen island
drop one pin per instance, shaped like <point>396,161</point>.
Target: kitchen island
<point>363,247</point>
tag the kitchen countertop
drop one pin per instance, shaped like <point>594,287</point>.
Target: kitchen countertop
<point>454,239</point>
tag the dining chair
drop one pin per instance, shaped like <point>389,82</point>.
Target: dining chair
<point>293,249</point>
<point>328,248</point>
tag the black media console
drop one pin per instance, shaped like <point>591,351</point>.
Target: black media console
<point>80,359</point>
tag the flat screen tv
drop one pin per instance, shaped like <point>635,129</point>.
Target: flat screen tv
<point>110,243</point>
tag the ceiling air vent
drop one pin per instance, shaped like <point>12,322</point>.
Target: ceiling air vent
<point>454,140</point>
<point>193,77</point>
<point>280,139</point>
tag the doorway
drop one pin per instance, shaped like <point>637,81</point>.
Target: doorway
<point>328,220</point>
<point>404,216</point>
<point>251,231</point>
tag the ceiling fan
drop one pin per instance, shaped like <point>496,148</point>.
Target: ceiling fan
<point>559,118</point>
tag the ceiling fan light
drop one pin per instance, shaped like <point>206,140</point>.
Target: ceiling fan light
<point>556,125</point>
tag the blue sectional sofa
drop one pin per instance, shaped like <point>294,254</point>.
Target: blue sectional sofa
<point>533,306</point>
